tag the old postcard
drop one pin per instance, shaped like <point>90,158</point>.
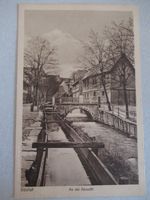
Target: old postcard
<point>78,112</point>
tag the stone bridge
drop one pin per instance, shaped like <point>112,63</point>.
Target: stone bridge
<point>89,109</point>
<point>95,113</point>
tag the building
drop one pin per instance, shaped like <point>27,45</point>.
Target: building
<point>48,86</point>
<point>64,89</point>
<point>120,79</point>
<point>91,85</point>
<point>123,80</point>
<point>77,83</point>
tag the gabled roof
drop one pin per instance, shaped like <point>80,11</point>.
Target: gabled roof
<point>124,59</point>
<point>94,71</point>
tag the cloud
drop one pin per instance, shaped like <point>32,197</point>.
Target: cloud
<point>67,69</point>
<point>68,50</point>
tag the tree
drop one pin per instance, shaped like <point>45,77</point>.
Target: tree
<point>48,87</point>
<point>39,56</point>
<point>121,40</point>
<point>120,52</point>
<point>95,56</point>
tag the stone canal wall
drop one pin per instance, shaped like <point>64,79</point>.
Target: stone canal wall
<point>34,174</point>
<point>97,171</point>
<point>125,126</point>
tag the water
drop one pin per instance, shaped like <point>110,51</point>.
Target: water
<point>122,150</point>
<point>77,113</point>
<point>63,166</point>
<point>115,142</point>
<point>77,116</point>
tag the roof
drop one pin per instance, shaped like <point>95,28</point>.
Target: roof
<point>96,70</point>
<point>76,82</point>
<point>123,58</point>
<point>92,72</point>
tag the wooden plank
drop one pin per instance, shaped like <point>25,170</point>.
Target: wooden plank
<point>58,144</point>
<point>28,150</point>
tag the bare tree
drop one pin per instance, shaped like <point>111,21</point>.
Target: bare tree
<point>39,55</point>
<point>122,77</point>
<point>120,52</point>
<point>95,56</point>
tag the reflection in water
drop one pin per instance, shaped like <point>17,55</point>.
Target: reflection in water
<point>77,115</point>
<point>53,127</point>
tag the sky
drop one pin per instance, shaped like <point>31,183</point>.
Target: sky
<point>67,29</point>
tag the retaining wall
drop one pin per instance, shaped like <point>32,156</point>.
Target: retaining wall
<point>99,173</point>
<point>127,127</point>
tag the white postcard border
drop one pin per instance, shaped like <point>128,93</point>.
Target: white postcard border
<point>76,191</point>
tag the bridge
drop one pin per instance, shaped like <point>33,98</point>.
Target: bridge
<point>86,148</point>
<point>89,109</point>
<point>45,160</point>
<point>96,113</point>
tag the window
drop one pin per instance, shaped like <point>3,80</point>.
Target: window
<point>94,93</point>
<point>103,93</point>
<point>87,82</point>
<point>94,81</point>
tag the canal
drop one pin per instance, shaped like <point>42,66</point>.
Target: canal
<point>120,152</point>
<point>114,141</point>
<point>63,166</point>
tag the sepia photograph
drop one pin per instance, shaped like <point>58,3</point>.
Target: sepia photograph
<point>78,112</point>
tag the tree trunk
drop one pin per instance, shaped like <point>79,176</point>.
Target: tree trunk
<point>107,99</point>
<point>32,107</point>
<point>34,99</point>
<point>126,101</point>
<point>36,95</point>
